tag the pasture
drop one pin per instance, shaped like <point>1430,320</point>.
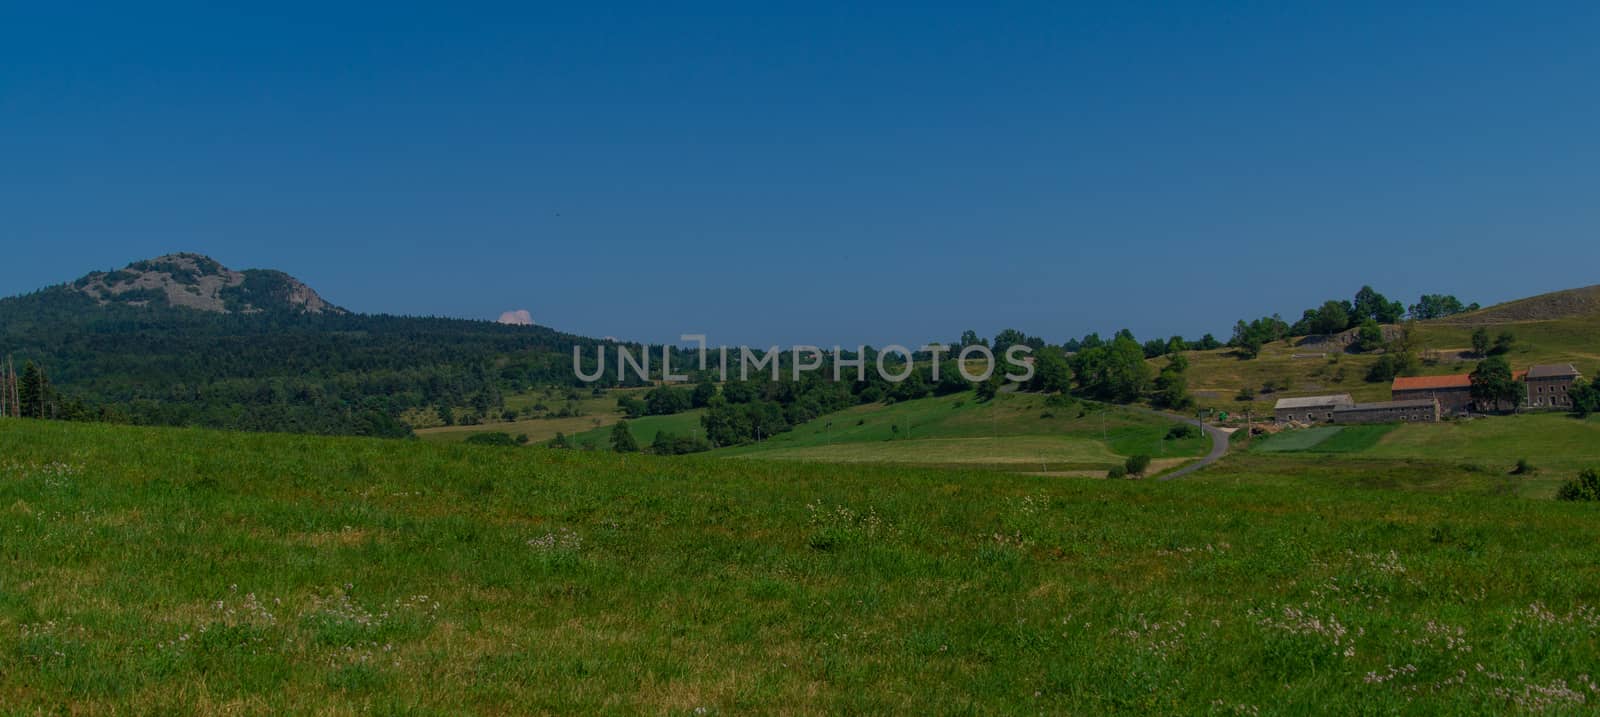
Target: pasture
<point>190,571</point>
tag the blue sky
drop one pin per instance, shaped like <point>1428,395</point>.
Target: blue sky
<point>813,173</point>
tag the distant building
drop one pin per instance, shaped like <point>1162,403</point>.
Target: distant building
<point>1422,410</point>
<point>1454,393</point>
<point>1310,409</point>
<point>1549,385</point>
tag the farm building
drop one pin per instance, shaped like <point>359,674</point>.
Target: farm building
<point>1310,409</point>
<point>1549,384</point>
<point>1423,410</point>
<point>1454,393</point>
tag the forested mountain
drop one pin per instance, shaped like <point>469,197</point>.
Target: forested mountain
<point>182,340</point>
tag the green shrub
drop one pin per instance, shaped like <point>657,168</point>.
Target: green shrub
<point>1117,472</point>
<point>1586,487</point>
<point>1182,431</point>
<point>497,438</point>
<point>1137,465</point>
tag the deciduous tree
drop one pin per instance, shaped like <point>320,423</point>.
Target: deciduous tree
<point>1494,386</point>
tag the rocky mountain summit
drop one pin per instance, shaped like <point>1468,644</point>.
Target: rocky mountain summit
<point>199,282</point>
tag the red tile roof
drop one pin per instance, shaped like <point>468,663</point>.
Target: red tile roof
<point>1418,383</point>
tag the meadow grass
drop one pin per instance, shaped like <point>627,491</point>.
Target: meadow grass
<point>595,412</point>
<point>1558,444</point>
<point>1355,439</point>
<point>1296,440</point>
<point>1011,423</point>
<point>1325,439</point>
<point>189,571</point>
<point>644,429</point>
<point>1030,452</point>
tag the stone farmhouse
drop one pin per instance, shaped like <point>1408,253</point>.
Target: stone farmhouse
<point>1310,409</point>
<point>1428,398</point>
<point>1424,410</point>
<point>1340,408</point>
<point>1454,393</point>
<point>1548,385</point>
<point>1547,388</point>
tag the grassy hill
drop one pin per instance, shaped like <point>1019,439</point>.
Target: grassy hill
<point>1562,327</point>
<point>1013,431</point>
<point>183,571</point>
<point>1568,304</point>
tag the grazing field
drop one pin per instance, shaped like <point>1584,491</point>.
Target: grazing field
<point>592,413</point>
<point>538,430</point>
<point>644,429</point>
<point>187,571</point>
<point>1011,429</point>
<point>1291,441</point>
<point>1557,445</point>
<point>1564,340</point>
<point>1022,452</point>
<point>1325,439</point>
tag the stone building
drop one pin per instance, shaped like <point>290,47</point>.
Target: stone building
<point>1454,393</point>
<point>1309,409</point>
<point>1421,410</point>
<point>1549,385</point>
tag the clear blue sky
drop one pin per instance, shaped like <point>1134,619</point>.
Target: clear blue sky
<point>796,173</point>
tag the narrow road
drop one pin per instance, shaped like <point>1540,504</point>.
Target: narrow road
<point>1219,441</point>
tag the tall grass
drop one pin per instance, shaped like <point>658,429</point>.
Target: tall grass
<point>184,571</point>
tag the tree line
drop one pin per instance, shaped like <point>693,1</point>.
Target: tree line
<point>1367,312</point>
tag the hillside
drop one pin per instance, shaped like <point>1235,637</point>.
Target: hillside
<point>1560,327</point>
<point>187,571</point>
<point>1014,431</point>
<point>184,340</point>
<point>1568,304</point>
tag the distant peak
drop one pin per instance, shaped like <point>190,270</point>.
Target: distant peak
<point>196,281</point>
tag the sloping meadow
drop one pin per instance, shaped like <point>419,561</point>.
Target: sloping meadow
<point>152,570</point>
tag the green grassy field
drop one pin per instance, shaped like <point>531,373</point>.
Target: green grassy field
<point>1009,431</point>
<point>1558,445</point>
<point>188,571</point>
<point>1326,439</point>
<point>1042,453</point>
<point>644,429</point>
<point>1294,441</point>
<point>595,412</point>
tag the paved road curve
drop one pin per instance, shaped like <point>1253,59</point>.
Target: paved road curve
<point>1219,442</point>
